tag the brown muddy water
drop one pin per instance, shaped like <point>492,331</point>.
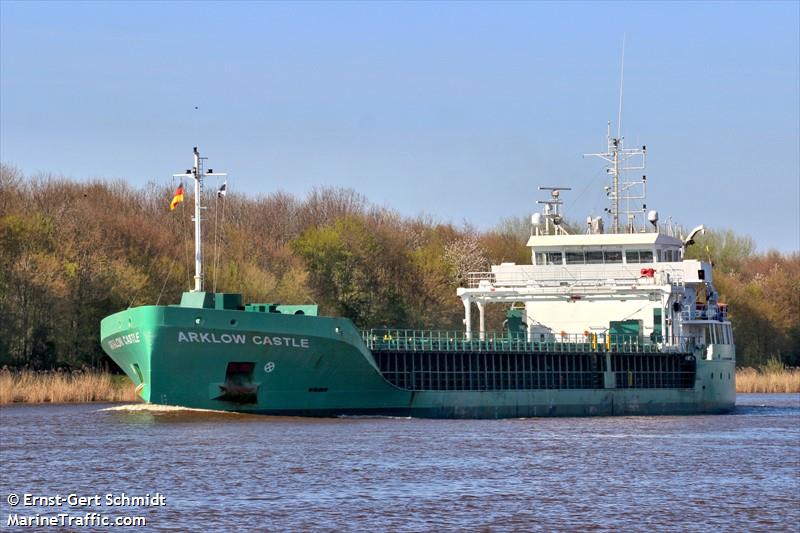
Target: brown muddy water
<point>229,472</point>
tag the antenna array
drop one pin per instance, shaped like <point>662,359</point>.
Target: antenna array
<point>620,160</point>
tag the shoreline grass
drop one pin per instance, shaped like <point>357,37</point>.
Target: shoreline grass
<point>767,380</point>
<point>85,387</point>
<point>64,387</point>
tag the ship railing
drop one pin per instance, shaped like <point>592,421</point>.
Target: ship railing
<point>666,275</point>
<point>458,341</point>
<point>480,279</point>
<point>717,312</point>
<point>575,277</point>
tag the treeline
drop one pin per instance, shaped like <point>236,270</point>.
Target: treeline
<point>72,253</point>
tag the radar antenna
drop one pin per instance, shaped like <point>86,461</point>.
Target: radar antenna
<point>552,213</point>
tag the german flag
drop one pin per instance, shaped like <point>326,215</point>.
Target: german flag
<point>178,198</point>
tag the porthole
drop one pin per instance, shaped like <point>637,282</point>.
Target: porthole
<point>712,375</point>
<point>233,322</point>
<point>198,321</point>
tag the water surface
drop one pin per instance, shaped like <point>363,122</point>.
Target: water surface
<point>223,471</point>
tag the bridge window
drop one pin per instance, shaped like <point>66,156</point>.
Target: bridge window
<point>548,258</point>
<point>594,258</point>
<point>575,258</point>
<point>638,256</point>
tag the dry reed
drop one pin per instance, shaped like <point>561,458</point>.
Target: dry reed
<point>750,380</point>
<point>64,387</point>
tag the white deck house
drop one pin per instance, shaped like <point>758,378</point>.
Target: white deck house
<point>580,284</point>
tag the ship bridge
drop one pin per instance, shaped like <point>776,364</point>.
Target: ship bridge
<point>631,279</point>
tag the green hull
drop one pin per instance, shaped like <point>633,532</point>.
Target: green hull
<point>281,364</point>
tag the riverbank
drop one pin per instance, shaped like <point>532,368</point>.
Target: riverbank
<point>750,380</point>
<point>64,387</point>
<point>85,387</point>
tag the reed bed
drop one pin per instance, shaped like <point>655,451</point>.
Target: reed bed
<point>82,387</point>
<point>64,387</point>
<point>750,380</point>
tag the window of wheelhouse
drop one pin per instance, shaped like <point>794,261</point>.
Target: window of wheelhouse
<point>575,258</point>
<point>594,257</point>
<point>638,256</point>
<point>670,255</point>
<point>590,257</point>
<point>548,258</point>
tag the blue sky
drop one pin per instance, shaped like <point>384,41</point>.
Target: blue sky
<point>457,110</point>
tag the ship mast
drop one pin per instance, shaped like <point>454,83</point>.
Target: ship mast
<point>198,226</point>
<point>618,156</point>
<point>197,174</point>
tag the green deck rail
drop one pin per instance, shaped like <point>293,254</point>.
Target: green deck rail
<point>457,341</point>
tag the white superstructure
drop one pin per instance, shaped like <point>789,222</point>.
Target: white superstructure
<point>597,284</point>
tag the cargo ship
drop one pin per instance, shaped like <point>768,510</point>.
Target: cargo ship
<point>601,322</point>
